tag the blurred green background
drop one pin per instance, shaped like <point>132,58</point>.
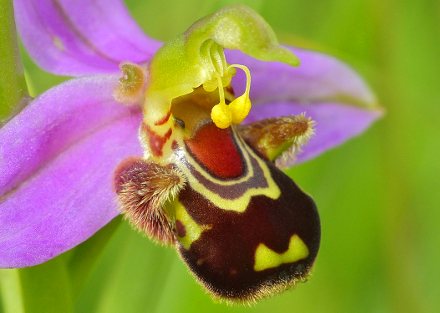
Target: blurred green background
<point>377,195</point>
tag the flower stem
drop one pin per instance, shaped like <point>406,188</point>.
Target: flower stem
<point>13,89</point>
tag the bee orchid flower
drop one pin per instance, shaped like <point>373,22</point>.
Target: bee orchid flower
<point>188,144</point>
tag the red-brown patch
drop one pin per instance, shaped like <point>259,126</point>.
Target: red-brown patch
<point>163,120</point>
<point>180,229</point>
<point>156,141</point>
<point>215,150</point>
<point>174,145</point>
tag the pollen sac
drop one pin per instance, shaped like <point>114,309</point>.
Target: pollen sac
<point>240,108</point>
<point>245,229</point>
<point>221,115</point>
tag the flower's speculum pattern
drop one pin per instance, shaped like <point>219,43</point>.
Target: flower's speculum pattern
<point>210,186</point>
<point>257,232</point>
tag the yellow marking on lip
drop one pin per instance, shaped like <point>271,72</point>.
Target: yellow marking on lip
<point>266,258</point>
<point>193,231</point>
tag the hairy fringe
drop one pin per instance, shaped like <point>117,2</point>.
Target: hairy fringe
<point>143,188</point>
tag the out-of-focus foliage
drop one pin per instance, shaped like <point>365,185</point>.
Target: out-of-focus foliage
<point>12,83</point>
<point>377,195</point>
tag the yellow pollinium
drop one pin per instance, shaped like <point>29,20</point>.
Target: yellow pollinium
<point>266,258</point>
<point>240,108</point>
<point>222,114</point>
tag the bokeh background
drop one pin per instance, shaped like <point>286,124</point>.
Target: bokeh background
<point>378,195</point>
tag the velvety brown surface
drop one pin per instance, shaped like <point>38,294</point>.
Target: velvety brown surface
<point>223,257</point>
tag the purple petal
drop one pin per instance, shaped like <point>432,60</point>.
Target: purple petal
<point>81,37</point>
<point>57,159</point>
<point>324,88</point>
